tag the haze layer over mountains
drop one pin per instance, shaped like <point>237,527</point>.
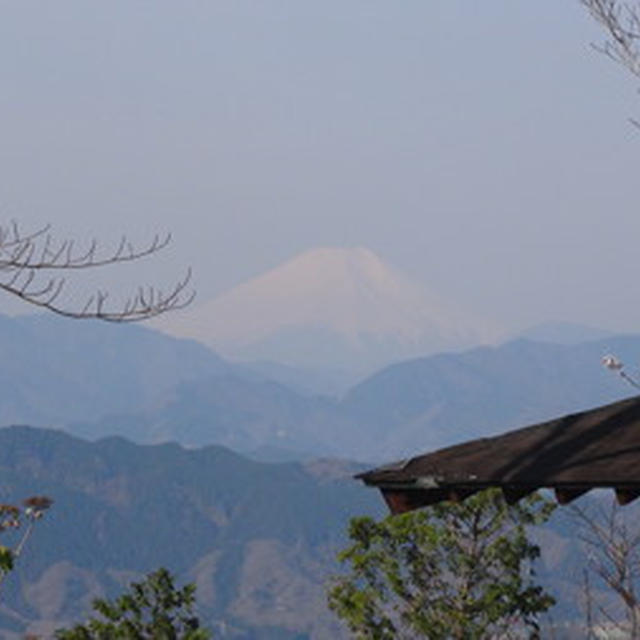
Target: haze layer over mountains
<point>96,380</point>
<point>330,308</point>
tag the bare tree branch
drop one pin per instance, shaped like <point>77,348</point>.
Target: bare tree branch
<point>614,554</point>
<point>621,22</point>
<point>34,266</point>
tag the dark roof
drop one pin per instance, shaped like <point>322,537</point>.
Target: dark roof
<point>599,448</point>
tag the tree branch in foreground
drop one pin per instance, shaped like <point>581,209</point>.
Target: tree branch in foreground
<point>34,267</point>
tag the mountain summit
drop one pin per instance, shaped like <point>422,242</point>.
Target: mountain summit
<point>329,307</point>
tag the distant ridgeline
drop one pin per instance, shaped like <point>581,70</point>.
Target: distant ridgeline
<point>95,380</point>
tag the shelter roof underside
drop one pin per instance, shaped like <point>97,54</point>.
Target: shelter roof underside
<point>599,448</point>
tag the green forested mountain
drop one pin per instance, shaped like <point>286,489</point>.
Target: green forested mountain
<point>259,539</point>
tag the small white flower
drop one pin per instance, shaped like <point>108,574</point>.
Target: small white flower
<point>612,363</point>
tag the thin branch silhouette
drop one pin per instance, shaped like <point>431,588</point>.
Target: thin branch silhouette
<point>34,267</point>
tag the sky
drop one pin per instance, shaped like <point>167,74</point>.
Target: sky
<point>483,148</point>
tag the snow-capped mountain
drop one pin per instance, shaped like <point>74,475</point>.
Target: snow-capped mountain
<point>329,307</point>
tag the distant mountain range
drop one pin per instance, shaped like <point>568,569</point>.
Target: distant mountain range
<point>96,380</point>
<point>53,371</point>
<point>447,398</point>
<point>330,308</point>
<point>404,409</point>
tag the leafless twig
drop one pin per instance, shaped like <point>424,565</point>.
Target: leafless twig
<point>621,22</point>
<point>613,550</point>
<point>34,267</point>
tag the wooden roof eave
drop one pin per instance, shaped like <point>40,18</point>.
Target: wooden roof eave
<point>598,448</point>
<point>401,498</point>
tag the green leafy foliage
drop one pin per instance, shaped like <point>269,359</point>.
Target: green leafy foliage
<point>151,610</point>
<point>448,571</point>
<point>6,559</point>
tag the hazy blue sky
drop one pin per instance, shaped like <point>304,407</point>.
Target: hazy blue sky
<point>483,147</point>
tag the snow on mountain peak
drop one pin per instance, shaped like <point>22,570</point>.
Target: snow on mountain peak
<point>292,311</point>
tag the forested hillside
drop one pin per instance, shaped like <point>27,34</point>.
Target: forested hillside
<point>259,539</point>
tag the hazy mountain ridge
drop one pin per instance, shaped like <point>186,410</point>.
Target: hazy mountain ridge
<point>238,413</point>
<point>453,397</point>
<point>99,381</point>
<point>53,371</point>
<point>404,409</point>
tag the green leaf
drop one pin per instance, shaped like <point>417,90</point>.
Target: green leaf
<point>6,559</point>
<point>448,571</point>
<point>154,608</point>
